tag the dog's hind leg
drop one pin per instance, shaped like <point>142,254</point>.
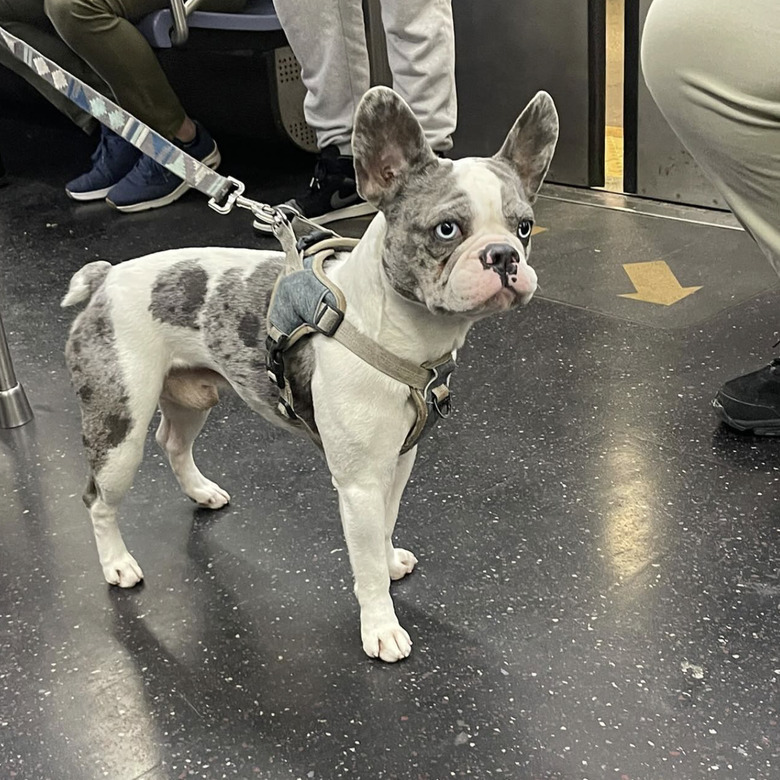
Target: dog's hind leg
<point>115,445</point>
<point>117,404</point>
<point>103,495</point>
<point>400,562</point>
<point>177,431</point>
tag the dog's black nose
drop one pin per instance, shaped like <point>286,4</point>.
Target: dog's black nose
<point>502,258</point>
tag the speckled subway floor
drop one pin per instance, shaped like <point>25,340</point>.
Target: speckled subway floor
<point>598,588</point>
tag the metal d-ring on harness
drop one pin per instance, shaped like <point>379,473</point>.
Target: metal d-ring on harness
<point>306,301</point>
<point>322,309</point>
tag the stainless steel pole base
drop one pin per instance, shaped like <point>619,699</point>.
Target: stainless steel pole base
<point>14,408</point>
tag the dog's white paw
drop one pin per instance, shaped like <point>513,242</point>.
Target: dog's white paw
<point>208,494</point>
<point>389,641</point>
<point>123,571</point>
<point>401,563</point>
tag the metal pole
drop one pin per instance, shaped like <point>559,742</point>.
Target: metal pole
<point>377,44</point>
<point>180,31</point>
<point>14,408</point>
<point>180,10</point>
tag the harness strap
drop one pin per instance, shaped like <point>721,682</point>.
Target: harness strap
<point>325,313</point>
<point>343,331</point>
<point>334,243</point>
<point>368,350</point>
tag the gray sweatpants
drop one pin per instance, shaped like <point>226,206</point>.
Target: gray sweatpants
<point>713,67</point>
<point>329,40</point>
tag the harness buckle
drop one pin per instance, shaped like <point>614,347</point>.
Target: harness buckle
<point>274,361</point>
<point>229,198</point>
<point>304,242</point>
<point>328,319</point>
<point>442,401</point>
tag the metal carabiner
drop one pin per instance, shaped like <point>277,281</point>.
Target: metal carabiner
<point>230,199</point>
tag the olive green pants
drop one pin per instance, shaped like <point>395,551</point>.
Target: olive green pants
<point>713,67</point>
<point>96,40</point>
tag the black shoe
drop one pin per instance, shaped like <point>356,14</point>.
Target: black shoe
<point>332,192</point>
<point>752,402</point>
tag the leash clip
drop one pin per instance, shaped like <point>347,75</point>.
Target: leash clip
<point>275,360</point>
<point>272,216</point>
<point>230,199</point>
<point>442,401</point>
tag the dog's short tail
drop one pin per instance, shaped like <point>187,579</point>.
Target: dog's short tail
<point>85,281</point>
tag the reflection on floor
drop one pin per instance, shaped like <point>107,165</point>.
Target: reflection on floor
<point>597,595</point>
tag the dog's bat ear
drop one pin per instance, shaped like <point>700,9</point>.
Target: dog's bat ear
<point>530,145</point>
<point>388,143</point>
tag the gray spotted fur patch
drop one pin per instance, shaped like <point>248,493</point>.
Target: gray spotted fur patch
<point>179,293</point>
<point>233,324</point>
<point>98,381</point>
<point>411,218</point>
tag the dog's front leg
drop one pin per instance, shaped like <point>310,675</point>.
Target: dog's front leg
<point>400,562</point>
<point>363,418</point>
<point>363,504</point>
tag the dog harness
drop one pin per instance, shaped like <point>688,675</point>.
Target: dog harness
<point>306,302</point>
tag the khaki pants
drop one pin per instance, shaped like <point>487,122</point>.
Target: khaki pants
<point>713,67</point>
<point>96,40</point>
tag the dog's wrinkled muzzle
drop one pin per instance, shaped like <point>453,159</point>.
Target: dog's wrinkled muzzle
<point>503,259</point>
<point>514,274</point>
<point>488,274</point>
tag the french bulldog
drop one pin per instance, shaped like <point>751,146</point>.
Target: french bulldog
<point>449,246</point>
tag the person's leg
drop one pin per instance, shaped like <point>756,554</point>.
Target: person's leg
<point>103,32</point>
<point>421,54</point>
<point>104,35</point>
<point>713,68</point>
<point>328,38</point>
<point>113,158</point>
<point>27,20</point>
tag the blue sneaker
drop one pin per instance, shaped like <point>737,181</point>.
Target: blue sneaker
<point>150,186</point>
<point>113,159</point>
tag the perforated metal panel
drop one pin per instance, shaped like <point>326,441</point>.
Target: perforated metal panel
<point>291,92</point>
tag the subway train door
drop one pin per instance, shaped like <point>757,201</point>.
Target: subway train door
<point>507,50</point>
<point>663,169</point>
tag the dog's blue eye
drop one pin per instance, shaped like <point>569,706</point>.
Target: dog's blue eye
<point>524,229</point>
<point>447,231</point>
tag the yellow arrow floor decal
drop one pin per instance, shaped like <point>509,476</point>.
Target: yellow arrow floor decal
<point>536,230</point>
<point>655,283</point>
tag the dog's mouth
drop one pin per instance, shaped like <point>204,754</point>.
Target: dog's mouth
<point>505,299</point>
<point>508,298</point>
